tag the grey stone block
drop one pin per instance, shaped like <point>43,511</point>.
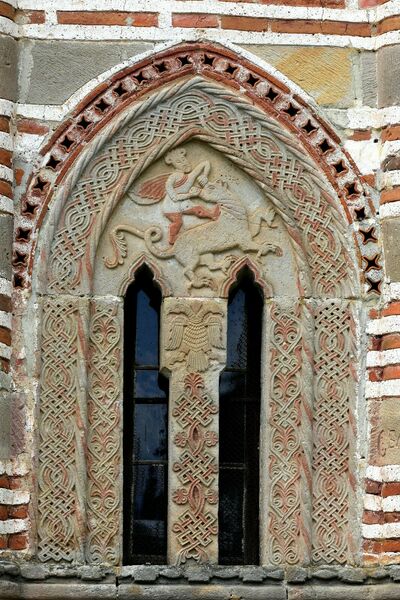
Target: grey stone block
<point>33,571</point>
<point>345,592</point>
<point>6,235</point>
<point>8,62</point>
<point>391,236</point>
<point>63,591</point>
<point>369,81</point>
<point>296,574</point>
<point>5,422</point>
<point>195,592</point>
<point>51,71</point>
<point>352,575</point>
<point>388,76</point>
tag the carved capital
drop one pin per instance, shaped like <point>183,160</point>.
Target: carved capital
<point>193,335</point>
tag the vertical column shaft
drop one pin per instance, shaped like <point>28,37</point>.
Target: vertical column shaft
<point>193,351</point>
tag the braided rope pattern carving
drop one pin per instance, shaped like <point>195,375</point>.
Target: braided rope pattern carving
<point>333,479</point>
<point>232,126</point>
<point>104,434</point>
<point>61,419</point>
<point>196,469</point>
<point>290,435</point>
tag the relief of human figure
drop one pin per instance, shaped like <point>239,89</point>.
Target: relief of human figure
<point>178,189</point>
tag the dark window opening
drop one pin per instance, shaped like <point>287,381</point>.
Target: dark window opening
<point>239,428</point>
<point>145,427</point>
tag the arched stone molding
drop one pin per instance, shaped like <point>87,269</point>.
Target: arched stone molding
<point>298,168</point>
<point>80,223</point>
<point>212,62</point>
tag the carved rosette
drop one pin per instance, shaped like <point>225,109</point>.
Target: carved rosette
<point>193,350</point>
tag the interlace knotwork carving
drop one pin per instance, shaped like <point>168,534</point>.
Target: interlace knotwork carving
<point>254,142</point>
<point>104,435</point>
<point>195,334</point>
<point>61,401</point>
<point>196,469</point>
<point>290,434</point>
<point>333,469</point>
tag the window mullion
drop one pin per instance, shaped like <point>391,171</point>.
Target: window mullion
<point>193,352</point>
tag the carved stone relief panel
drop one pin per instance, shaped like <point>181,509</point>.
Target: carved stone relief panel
<point>62,430</point>
<point>104,440</point>
<point>80,457</point>
<point>196,215</point>
<point>197,186</point>
<point>193,346</point>
<point>253,142</point>
<point>287,433</point>
<point>334,429</point>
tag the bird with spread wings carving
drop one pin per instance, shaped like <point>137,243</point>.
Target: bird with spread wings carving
<point>195,331</point>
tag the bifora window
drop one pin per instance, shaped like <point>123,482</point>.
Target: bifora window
<point>239,429</point>
<point>145,427</point>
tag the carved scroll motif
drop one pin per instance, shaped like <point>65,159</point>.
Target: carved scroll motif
<point>104,435</point>
<point>334,433</point>
<point>290,443</point>
<point>196,469</point>
<point>62,430</point>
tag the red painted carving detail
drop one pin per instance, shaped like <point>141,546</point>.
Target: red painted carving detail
<point>211,62</point>
<point>196,470</point>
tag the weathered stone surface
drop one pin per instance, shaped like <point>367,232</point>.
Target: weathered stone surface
<point>216,592</point>
<point>50,71</point>
<point>5,412</point>
<point>368,75</point>
<point>388,76</point>
<point>6,236</point>
<point>296,574</point>
<point>325,73</point>
<point>8,62</point>
<point>385,431</point>
<point>344,592</point>
<point>33,571</point>
<point>391,236</point>
<point>57,591</point>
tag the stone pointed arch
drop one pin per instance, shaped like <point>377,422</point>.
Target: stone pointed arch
<point>251,140</point>
<point>64,154</point>
<point>207,95</point>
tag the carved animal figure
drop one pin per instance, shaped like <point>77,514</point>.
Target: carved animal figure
<point>195,247</point>
<point>194,332</point>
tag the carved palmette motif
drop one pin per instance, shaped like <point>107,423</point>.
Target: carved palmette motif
<point>271,155</point>
<point>290,439</point>
<point>333,468</point>
<point>62,426</point>
<point>196,469</point>
<point>104,433</point>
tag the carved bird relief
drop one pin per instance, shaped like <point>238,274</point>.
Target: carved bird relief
<point>194,332</point>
